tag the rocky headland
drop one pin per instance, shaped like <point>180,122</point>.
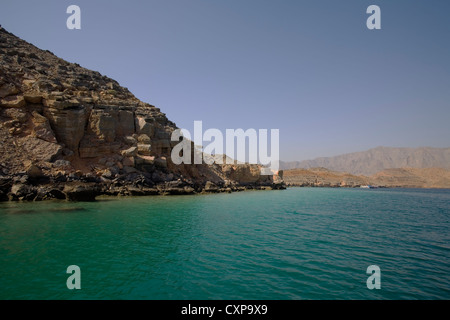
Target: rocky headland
<point>388,178</point>
<point>67,132</point>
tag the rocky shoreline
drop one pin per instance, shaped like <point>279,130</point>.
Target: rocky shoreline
<point>22,188</point>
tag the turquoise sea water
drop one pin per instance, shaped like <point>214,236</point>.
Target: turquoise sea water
<point>300,243</point>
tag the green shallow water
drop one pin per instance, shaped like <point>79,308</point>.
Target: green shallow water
<point>300,243</point>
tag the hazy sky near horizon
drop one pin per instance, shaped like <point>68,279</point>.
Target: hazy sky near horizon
<point>309,68</point>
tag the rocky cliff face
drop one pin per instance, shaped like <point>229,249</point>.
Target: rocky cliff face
<point>64,127</point>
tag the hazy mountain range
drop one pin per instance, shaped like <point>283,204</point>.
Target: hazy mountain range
<point>377,159</point>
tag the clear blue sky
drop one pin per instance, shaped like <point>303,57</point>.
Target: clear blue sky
<point>309,68</point>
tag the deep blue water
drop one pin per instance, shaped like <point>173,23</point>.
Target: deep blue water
<point>300,243</point>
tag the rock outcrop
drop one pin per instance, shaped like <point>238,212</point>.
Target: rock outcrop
<point>62,124</point>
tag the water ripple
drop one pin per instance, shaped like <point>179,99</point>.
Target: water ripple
<point>295,244</point>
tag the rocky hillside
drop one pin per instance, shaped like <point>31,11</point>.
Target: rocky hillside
<point>377,159</point>
<point>398,177</point>
<point>321,177</point>
<point>413,178</point>
<point>67,131</point>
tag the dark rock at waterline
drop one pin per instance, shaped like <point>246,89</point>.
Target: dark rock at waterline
<point>81,192</point>
<point>21,191</point>
<point>48,193</point>
<point>5,186</point>
<point>210,187</point>
<point>3,196</point>
<point>279,186</point>
<point>178,190</point>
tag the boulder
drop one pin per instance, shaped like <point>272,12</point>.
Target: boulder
<point>107,174</point>
<point>46,193</point>
<point>130,140</point>
<point>144,149</point>
<point>81,192</point>
<point>130,152</point>
<point>56,194</point>
<point>34,172</point>
<point>144,139</point>
<point>210,187</point>
<point>21,191</point>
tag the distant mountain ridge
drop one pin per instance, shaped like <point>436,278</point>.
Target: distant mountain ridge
<point>377,159</point>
